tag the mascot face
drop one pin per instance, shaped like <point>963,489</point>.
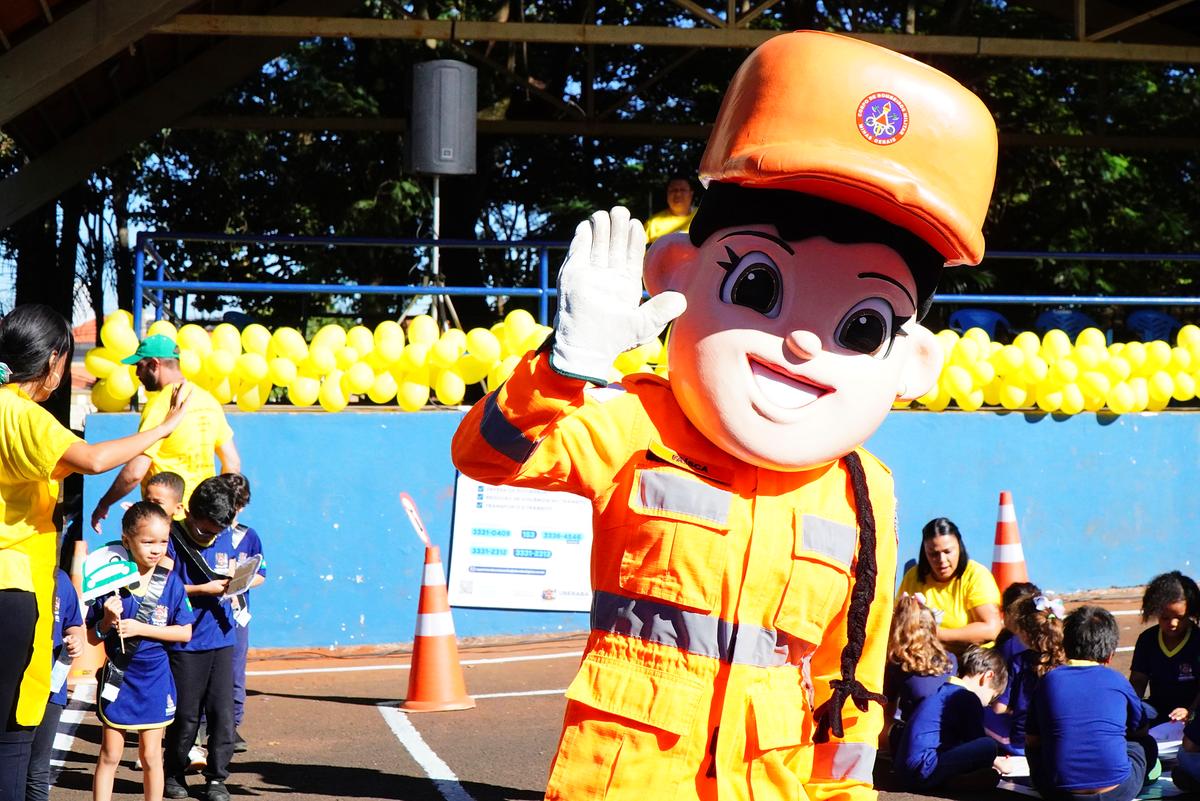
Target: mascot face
<point>790,354</point>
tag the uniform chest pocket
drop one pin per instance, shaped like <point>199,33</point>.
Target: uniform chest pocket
<point>675,539</point>
<point>820,577</point>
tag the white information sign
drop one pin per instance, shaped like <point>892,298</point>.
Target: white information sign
<point>516,548</point>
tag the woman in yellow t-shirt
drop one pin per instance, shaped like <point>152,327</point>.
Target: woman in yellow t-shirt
<point>960,589</point>
<point>36,452</point>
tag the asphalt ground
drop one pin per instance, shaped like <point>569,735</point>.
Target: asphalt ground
<point>323,726</point>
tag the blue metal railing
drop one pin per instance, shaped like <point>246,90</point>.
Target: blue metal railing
<point>544,291</point>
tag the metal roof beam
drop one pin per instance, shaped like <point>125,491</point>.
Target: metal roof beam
<point>1138,20</point>
<point>574,34</point>
<point>54,57</point>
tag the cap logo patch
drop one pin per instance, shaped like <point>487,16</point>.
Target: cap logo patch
<point>882,118</point>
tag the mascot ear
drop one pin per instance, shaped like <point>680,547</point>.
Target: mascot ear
<point>666,262</point>
<point>923,362</point>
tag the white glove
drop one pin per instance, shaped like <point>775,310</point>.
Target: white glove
<point>600,314</point>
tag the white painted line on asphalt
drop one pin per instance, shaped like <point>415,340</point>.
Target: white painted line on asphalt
<point>438,771</point>
<point>83,696</point>
<point>520,694</point>
<point>1119,612</point>
<point>405,666</point>
<point>1124,649</point>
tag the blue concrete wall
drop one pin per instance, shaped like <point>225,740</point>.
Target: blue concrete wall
<point>1101,501</point>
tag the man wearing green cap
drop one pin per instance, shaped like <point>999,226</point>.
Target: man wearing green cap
<point>192,448</point>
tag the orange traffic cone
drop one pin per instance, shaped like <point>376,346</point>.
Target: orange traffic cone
<point>435,683</point>
<point>1008,558</point>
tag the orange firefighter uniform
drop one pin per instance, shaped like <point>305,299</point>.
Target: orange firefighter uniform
<point>721,592</point>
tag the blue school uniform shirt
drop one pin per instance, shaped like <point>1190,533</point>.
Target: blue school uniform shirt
<point>247,545</point>
<point>147,695</point>
<point>1022,684</point>
<point>910,689</point>
<point>1082,712</point>
<point>951,716</point>
<point>66,615</point>
<point>1173,673</point>
<point>214,624</point>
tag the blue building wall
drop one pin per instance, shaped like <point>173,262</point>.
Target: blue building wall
<point>1101,501</point>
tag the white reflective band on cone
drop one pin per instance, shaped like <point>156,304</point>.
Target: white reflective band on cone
<point>1007,514</point>
<point>434,576</point>
<point>1008,553</point>
<point>435,624</point>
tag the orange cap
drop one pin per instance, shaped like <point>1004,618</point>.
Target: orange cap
<point>864,126</point>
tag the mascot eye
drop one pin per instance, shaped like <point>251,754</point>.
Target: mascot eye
<point>752,281</point>
<point>868,328</point>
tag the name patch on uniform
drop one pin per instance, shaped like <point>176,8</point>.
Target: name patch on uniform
<point>661,452</point>
<point>159,616</point>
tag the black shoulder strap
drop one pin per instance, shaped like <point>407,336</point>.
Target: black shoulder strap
<point>187,550</point>
<point>114,675</point>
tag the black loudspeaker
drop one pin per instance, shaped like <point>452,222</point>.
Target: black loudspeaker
<point>442,127</point>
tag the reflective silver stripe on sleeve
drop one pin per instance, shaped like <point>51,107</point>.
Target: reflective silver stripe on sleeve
<point>667,492</point>
<point>703,635</point>
<point>835,540</point>
<point>841,761</point>
<point>503,435</point>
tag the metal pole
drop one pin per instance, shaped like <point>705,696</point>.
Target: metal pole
<point>544,285</point>
<point>139,264</point>
<point>437,230</point>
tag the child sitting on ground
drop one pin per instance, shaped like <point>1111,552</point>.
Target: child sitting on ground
<point>246,545</point>
<point>136,689</point>
<point>1037,622</point>
<point>1086,736</point>
<point>1009,644</point>
<point>68,644</point>
<point>917,663</point>
<point>1167,657</point>
<point>944,744</point>
<point>1007,638</point>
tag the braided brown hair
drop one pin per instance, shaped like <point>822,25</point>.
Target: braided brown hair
<point>849,688</point>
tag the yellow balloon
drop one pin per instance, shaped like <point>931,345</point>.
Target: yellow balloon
<point>388,329</point>
<point>222,390</point>
<point>1013,396</point>
<point>383,388</point>
<point>389,341</point>
<point>983,372</point>
<point>1161,387</point>
<point>939,403</point>
<point>220,364</point>
<point>104,400</point>
<point>1028,342</point>
<point>948,338</point>
<point>1158,356</point>
<point>1093,337</point>
<point>100,362</point>
<point>1072,399</point>
<point>472,368</point>
<point>1181,360</point>
<point>449,388</point>
<point>1120,399</point>
<point>1008,360</point>
<point>498,332</point>
<point>412,396</point>
<point>252,397</point>
<point>977,335</point>
<point>331,396</point>
<point>256,339</point>
<point>972,401</point>
<point>122,383</point>
<point>444,353</point>
<point>1141,393</point>
<point>422,330</point>
<point>304,390</point>
<point>416,355</point>
<point>501,372</point>
<point>191,364</point>
<point>281,371</point>
<point>631,361</point>
<point>1189,337</point>
<point>359,378</point>
<point>118,337</point>
<point>932,395</point>
<point>1065,371</point>
<point>1049,398</point>
<point>1088,357</point>
<point>1035,369</point>
<point>534,339</point>
<point>124,317</point>
<point>362,339</point>
<point>1094,384</point>
<point>226,337</point>
<point>1056,343</point>
<point>991,392</point>
<point>289,344</point>
<point>251,368</point>
<point>1117,368</point>
<point>345,357</point>
<point>958,380</point>
<point>330,336</point>
<point>517,324</point>
<point>163,328</point>
<point>483,345</point>
<point>1185,387</point>
<point>193,337</point>
<point>320,360</point>
<point>1135,354</point>
<point>656,350</point>
<point>456,336</point>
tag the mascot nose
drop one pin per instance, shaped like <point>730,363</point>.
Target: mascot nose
<point>804,344</point>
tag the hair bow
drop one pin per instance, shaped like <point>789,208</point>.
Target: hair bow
<point>1054,606</point>
<point>5,373</point>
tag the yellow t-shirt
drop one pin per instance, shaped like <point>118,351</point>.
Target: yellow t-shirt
<point>31,444</point>
<point>665,223</point>
<point>190,450</point>
<point>956,597</point>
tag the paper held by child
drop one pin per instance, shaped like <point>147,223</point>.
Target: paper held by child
<point>239,582</point>
<point>1169,736</point>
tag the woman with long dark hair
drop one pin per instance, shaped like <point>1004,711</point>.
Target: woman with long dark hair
<point>36,452</point>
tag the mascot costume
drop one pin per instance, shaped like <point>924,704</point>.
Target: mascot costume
<point>744,552</point>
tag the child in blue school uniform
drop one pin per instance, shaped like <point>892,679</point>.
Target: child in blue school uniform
<point>1009,645</point>
<point>246,546</point>
<point>944,744</point>
<point>917,663</point>
<point>1037,621</point>
<point>68,644</point>
<point>201,548</point>
<point>1166,658</point>
<point>1086,739</point>
<point>136,689</point>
